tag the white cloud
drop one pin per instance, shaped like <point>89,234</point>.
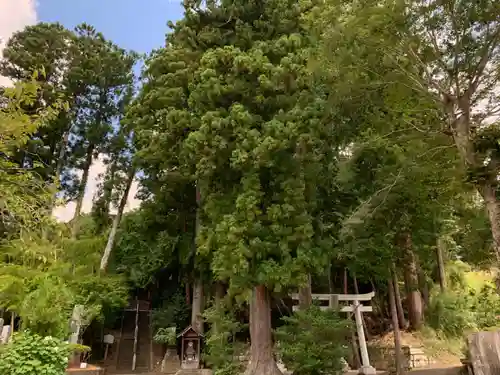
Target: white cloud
<point>14,16</point>
<point>66,213</point>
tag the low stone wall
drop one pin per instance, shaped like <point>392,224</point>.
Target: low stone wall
<point>384,358</point>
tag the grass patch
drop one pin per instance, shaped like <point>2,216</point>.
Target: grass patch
<point>438,346</point>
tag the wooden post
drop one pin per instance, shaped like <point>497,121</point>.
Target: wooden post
<point>366,368</point>
<point>334,302</point>
<point>151,356</point>
<point>136,332</point>
<point>1,330</point>
<point>442,273</point>
<point>395,324</point>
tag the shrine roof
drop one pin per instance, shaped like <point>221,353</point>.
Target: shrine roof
<point>189,328</point>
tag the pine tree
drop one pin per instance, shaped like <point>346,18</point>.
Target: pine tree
<point>42,49</point>
<point>101,73</point>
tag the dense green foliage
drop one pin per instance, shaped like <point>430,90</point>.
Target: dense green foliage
<point>44,274</point>
<point>222,352</point>
<point>314,342</point>
<point>32,354</point>
<point>275,140</point>
<point>173,313</point>
<point>464,307</point>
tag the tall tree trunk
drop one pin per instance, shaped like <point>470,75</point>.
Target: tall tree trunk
<point>305,294</point>
<point>62,153</point>
<point>331,284</point>
<point>424,287</point>
<point>59,166</point>
<point>395,325</point>
<point>440,249</point>
<point>108,188</point>
<point>57,176</point>
<point>354,341</point>
<point>488,192</point>
<point>188,294</point>
<point>461,127</point>
<point>81,189</point>
<point>219,297</point>
<point>397,297</point>
<point>197,307</point>
<point>415,308</point>
<point>116,221</point>
<point>262,361</point>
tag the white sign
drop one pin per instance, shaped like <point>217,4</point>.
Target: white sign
<point>109,339</point>
<point>4,336</point>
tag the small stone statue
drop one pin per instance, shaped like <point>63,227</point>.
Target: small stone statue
<point>190,352</point>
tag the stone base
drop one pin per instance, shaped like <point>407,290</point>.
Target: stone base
<point>200,371</point>
<point>195,365</point>
<point>170,363</point>
<point>367,370</point>
<point>90,370</point>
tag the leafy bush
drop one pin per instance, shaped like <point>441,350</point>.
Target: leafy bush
<point>314,342</point>
<point>221,351</point>
<point>174,312</point>
<point>165,336</point>
<point>450,313</point>
<point>470,303</point>
<point>32,354</point>
<point>486,307</point>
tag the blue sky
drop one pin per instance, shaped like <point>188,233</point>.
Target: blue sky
<point>132,24</point>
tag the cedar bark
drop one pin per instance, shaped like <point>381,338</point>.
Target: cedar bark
<point>219,296</point>
<point>188,294</point>
<point>415,308</point>
<point>440,248</point>
<point>59,168</point>
<point>305,295</point>
<point>198,300</point>
<point>262,361</point>
<point>397,297</point>
<point>81,189</point>
<point>354,341</point>
<point>331,284</point>
<point>395,324</point>
<point>108,188</point>
<point>116,221</point>
<point>488,192</point>
<point>197,307</point>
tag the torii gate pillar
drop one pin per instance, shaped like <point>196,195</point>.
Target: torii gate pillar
<point>366,368</point>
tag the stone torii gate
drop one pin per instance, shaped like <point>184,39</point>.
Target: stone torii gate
<point>358,308</point>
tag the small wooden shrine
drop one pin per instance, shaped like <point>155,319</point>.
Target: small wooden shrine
<point>190,348</point>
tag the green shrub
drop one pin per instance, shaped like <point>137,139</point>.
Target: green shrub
<point>32,354</point>
<point>222,351</point>
<point>314,342</point>
<point>450,313</point>
<point>174,312</point>
<point>165,336</point>
<point>486,306</point>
